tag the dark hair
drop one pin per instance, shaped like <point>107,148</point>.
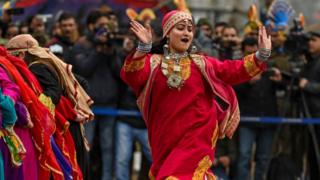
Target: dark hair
<point>249,42</point>
<point>314,34</point>
<point>29,19</point>
<point>229,27</point>
<point>23,24</point>
<point>94,15</point>
<point>157,28</point>
<point>204,21</point>
<point>157,48</point>
<point>65,16</point>
<point>111,13</point>
<point>218,24</point>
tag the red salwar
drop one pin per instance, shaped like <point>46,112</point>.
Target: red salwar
<point>184,124</point>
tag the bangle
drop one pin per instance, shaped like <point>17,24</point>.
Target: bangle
<point>263,54</point>
<point>144,47</point>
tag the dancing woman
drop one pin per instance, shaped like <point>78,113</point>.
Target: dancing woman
<point>186,99</point>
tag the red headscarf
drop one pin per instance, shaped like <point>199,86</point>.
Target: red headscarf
<point>172,18</point>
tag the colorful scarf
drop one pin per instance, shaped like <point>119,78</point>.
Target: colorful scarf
<point>44,125</point>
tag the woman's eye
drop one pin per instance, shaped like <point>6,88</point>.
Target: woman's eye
<point>180,26</point>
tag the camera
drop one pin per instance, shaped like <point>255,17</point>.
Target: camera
<point>103,31</point>
<point>296,45</point>
<point>297,40</point>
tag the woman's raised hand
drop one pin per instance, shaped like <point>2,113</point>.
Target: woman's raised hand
<point>264,39</point>
<point>144,34</point>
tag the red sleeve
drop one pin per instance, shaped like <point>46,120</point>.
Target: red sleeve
<point>237,71</point>
<point>66,108</point>
<point>135,72</point>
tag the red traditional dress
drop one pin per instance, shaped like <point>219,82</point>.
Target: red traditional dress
<point>184,124</point>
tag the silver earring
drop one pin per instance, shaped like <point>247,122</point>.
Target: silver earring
<point>193,49</point>
<point>166,50</point>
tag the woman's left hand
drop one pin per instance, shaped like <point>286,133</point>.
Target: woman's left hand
<point>264,40</point>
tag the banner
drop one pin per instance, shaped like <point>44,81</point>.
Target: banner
<point>138,3</point>
<point>27,3</point>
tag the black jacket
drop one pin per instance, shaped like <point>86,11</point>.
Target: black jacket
<point>62,47</point>
<point>102,71</point>
<point>311,72</point>
<point>48,81</point>
<point>258,99</point>
<point>128,101</point>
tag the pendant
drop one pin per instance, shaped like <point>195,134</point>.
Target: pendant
<point>174,81</point>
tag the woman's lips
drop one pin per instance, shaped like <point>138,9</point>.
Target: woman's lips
<point>185,40</point>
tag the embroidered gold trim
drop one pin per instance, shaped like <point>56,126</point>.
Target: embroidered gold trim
<point>155,61</point>
<point>47,101</point>
<point>211,176</point>
<point>134,65</point>
<point>202,168</point>
<point>1,134</point>
<point>171,178</point>
<point>250,65</point>
<point>233,122</point>
<point>151,177</point>
<point>215,136</point>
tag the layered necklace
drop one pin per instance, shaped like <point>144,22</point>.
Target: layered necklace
<point>176,67</point>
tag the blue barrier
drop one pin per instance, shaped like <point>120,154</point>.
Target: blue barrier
<point>271,120</point>
<point>115,112</point>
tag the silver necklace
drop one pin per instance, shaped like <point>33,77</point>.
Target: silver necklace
<point>174,80</point>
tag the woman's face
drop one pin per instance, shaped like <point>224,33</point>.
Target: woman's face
<point>181,36</point>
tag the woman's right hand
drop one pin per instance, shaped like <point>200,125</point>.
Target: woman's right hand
<point>144,34</point>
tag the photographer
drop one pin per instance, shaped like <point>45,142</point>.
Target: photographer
<point>257,98</point>
<point>230,44</point>
<point>310,81</point>
<point>310,86</point>
<point>95,58</point>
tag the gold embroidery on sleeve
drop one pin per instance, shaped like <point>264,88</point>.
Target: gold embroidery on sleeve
<point>135,65</point>
<point>215,136</point>
<point>250,65</point>
<point>171,178</point>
